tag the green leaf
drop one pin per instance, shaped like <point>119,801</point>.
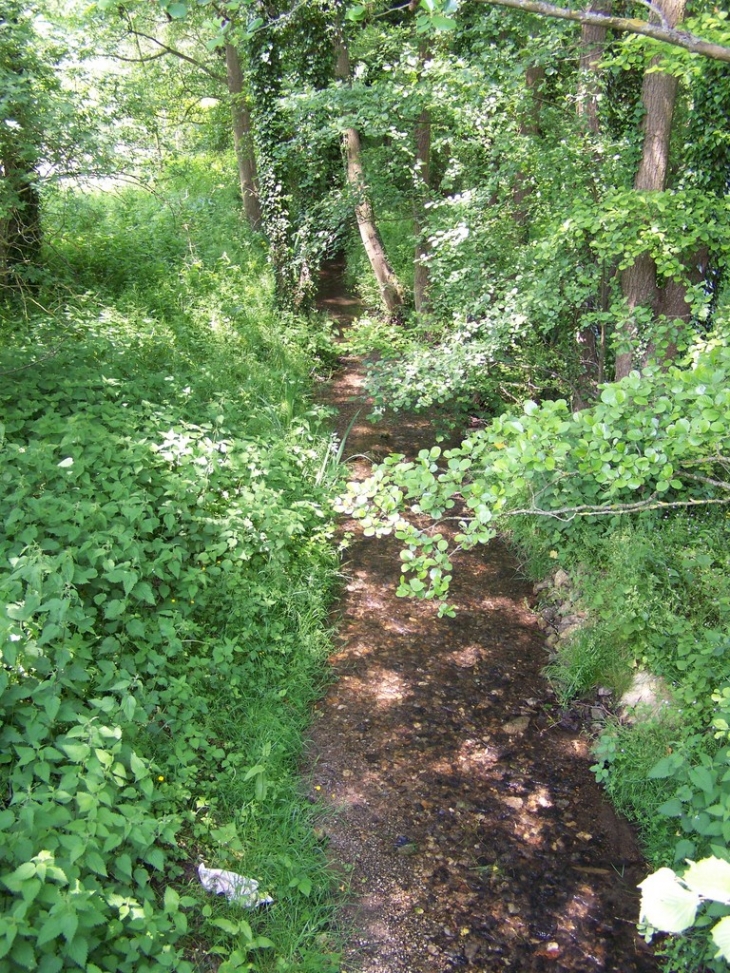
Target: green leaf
<point>666,767</point>
<point>702,777</point>
<point>94,861</point>
<point>672,808</point>
<point>171,900</point>
<point>51,929</point>
<point>138,767</point>
<point>666,904</point>
<point>143,591</point>
<point>50,964</point>
<point>721,938</point>
<point>226,925</point>
<point>78,951</point>
<point>177,10</point>
<point>23,954</point>
<point>114,609</point>
<point>78,752</point>
<point>21,874</point>
<point>710,878</point>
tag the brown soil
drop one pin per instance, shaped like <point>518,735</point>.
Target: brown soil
<point>463,814</point>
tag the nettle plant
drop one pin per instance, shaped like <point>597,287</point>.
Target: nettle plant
<point>129,533</point>
<point>656,440</point>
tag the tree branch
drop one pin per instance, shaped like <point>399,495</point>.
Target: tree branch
<point>139,60</point>
<point>705,479</point>
<point>668,35</point>
<point>567,514</point>
<point>176,53</point>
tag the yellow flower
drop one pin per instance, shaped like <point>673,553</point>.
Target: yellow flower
<point>160,778</point>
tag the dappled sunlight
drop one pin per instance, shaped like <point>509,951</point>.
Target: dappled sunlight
<point>384,686</point>
<point>463,811</point>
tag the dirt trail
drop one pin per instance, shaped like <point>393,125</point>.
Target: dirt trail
<point>463,815</point>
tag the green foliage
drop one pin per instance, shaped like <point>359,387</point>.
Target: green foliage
<point>654,439</point>
<point>166,542</point>
<point>670,903</point>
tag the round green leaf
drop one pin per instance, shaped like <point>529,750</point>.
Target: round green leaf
<point>666,904</point>
<point>721,938</point>
<point>709,878</point>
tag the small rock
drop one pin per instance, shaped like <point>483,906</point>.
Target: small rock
<point>516,726</point>
<point>513,802</point>
<point>549,950</point>
<point>604,691</point>
<point>647,695</point>
<point>561,579</point>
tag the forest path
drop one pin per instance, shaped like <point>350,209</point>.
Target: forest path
<point>463,815</point>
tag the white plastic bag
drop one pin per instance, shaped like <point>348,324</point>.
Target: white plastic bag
<point>235,887</point>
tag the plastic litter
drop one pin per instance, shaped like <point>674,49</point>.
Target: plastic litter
<point>236,888</point>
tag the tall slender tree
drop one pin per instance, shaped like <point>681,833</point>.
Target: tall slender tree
<point>639,281</point>
<point>243,136</point>
<point>391,290</point>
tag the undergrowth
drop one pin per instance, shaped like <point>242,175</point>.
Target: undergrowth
<point>166,563</point>
<point>657,591</point>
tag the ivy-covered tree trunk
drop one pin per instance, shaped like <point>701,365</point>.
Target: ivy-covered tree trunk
<point>391,290</point>
<point>639,282</point>
<point>243,138</point>
<point>20,211</point>
<point>265,57</point>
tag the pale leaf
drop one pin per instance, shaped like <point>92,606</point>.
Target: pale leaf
<point>666,904</point>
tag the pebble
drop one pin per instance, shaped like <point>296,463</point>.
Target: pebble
<point>516,726</point>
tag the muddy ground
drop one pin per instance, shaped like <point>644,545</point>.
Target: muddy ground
<point>462,812</point>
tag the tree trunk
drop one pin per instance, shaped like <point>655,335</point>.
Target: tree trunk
<point>421,274</point>
<point>391,290</point>
<point>529,125</point>
<point>592,43</point>
<point>590,84</point>
<point>639,282</point>
<point>242,139</point>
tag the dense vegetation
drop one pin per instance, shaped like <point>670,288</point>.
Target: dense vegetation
<point>537,214</point>
<point>166,563</point>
